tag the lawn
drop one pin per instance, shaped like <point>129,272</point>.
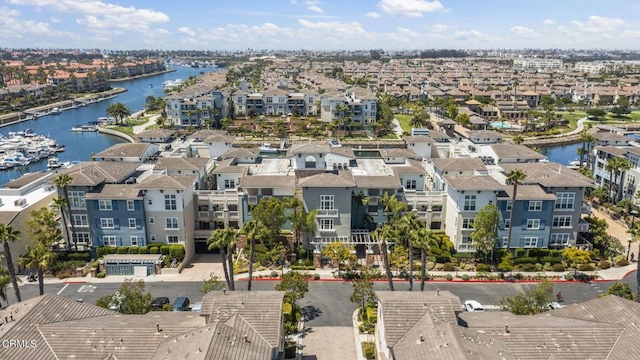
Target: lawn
<point>404,122</point>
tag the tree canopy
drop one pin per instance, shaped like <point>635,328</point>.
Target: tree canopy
<point>529,302</point>
<point>295,285</point>
<point>622,289</point>
<point>131,297</point>
<point>485,224</point>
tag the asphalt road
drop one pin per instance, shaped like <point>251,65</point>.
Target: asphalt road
<point>327,303</point>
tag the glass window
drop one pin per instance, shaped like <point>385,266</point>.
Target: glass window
<point>105,205</point>
<point>509,205</point>
<point>530,242</point>
<point>533,224</point>
<point>229,183</point>
<point>134,240</point>
<point>81,237</point>
<point>467,223</point>
<point>410,184</point>
<point>171,223</point>
<point>131,206</point>
<point>561,221</point>
<point>170,202</point>
<point>132,223</point>
<point>564,201</point>
<point>76,199</point>
<point>151,220</point>
<point>172,239</point>
<point>326,224</point>
<point>109,240</point>
<point>106,223</point>
<point>469,203</point>
<point>559,239</point>
<point>535,205</point>
<point>507,223</point>
<point>80,220</point>
<point>326,202</point>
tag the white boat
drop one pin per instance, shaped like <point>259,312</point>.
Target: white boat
<point>54,163</point>
<point>335,143</point>
<point>55,110</point>
<point>15,159</point>
<point>84,128</point>
<point>266,148</point>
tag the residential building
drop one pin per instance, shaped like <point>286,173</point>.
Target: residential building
<point>128,152</point>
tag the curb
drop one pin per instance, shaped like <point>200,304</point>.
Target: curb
<point>75,282</point>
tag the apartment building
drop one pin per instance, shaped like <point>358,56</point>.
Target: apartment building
<point>357,104</point>
<point>274,102</point>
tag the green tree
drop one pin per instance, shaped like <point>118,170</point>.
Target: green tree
<point>615,166</point>
<point>44,228</point>
<point>575,256</point>
<point>424,240</point>
<point>407,227</point>
<point>131,296</point>
<point>9,234</point>
<point>421,119</point>
<point>5,280</point>
<point>270,213</point>
<point>38,256</point>
<point>340,253</point>
<point>515,177</point>
<point>61,203</point>
<point>596,113</point>
<point>529,302</point>
<point>621,289</point>
<point>225,240</point>
<point>62,181</point>
<point>587,141</point>
<point>518,139</point>
<point>118,111</point>
<point>363,289</point>
<point>381,235</point>
<point>295,285</point>
<point>213,283</point>
<point>252,230</point>
<point>485,234</point>
<point>399,258</point>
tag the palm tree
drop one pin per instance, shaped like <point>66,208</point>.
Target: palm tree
<point>119,111</point>
<point>382,234</point>
<point>407,226</point>
<point>361,200</point>
<point>225,240</point>
<point>5,280</point>
<point>587,140</point>
<point>9,234</point>
<point>423,239</point>
<point>61,203</point>
<point>252,230</point>
<point>39,257</point>
<point>515,176</point>
<point>518,139</point>
<point>62,181</point>
<point>615,165</point>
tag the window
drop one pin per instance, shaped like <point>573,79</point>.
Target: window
<point>76,199</point>
<point>530,242</point>
<point>466,243</point>
<point>559,239</point>
<point>410,184</point>
<point>80,220</point>
<point>467,223</point>
<point>150,202</point>
<point>151,220</point>
<point>153,238</point>
<point>469,203</point>
<point>509,205</point>
<point>134,240</point>
<point>172,239</point>
<point>505,241</point>
<point>535,205</point>
<point>132,223</point>
<point>269,100</point>
<point>170,202</point>
<point>561,221</point>
<point>109,240</point>
<point>171,223</point>
<point>106,223</point>
<point>326,202</point>
<point>229,183</point>
<point>507,223</point>
<point>131,206</point>
<point>81,238</point>
<point>105,205</point>
<point>326,224</point>
<point>564,201</point>
<point>533,224</point>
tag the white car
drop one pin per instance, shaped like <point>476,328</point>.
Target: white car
<point>197,307</point>
<point>473,306</point>
<point>553,305</point>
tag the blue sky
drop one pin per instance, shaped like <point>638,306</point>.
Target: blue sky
<point>320,24</point>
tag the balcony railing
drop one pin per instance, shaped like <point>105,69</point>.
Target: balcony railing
<point>253,199</point>
<point>327,213</point>
<point>583,226</point>
<point>219,196</point>
<point>218,215</point>
<point>233,215</point>
<point>412,197</point>
<point>203,215</point>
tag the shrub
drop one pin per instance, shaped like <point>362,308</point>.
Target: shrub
<point>586,267</point>
<point>465,277</point>
<point>154,250</point>
<point>177,252</point>
<point>143,250</point>
<point>123,250</point>
<point>547,267</point>
<point>537,253</point>
<point>372,313</point>
<point>569,277</point>
<point>316,276</point>
<point>63,274</point>
<point>449,277</point>
<point>524,260</point>
<point>166,261</point>
<point>483,268</point>
<point>274,274</point>
<point>558,267</point>
<point>520,252</point>
<point>84,256</point>
<point>605,264</point>
<point>529,267</point>
<point>134,250</point>
<point>622,262</point>
<point>448,267</point>
<point>369,350</point>
<point>431,265</point>
<point>164,249</point>
<point>96,264</point>
<point>552,260</point>
<point>105,250</point>
<point>101,275</point>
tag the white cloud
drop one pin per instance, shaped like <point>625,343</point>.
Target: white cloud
<point>294,2</point>
<point>410,8</point>
<point>163,31</point>
<point>187,30</point>
<point>54,19</point>
<point>438,28</point>
<point>372,14</point>
<point>467,34</point>
<point>598,24</point>
<point>549,22</point>
<point>315,8</point>
<point>334,26</point>
<point>522,31</point>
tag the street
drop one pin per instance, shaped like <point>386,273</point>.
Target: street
<point>327,302</point>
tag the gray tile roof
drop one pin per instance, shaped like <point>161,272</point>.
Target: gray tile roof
<point>550,175</point>
<point>156,133</point>
<point>113,191</point>
<point>167,182</point>
<point>418,139</point>
<point>529,192</point>
<point>97,172</point>
<point>475,134</point>
<point>26,179</point>
<point>406,153</point>
<point>311,148</point>
<point>135,150</point>
<point>343,179</point>
<point>459,164</point>
<point>228,166</point>
<point>377,181</point>
<point>240,152</point>
<point>515,151</point>
<point>484,182</point>
<point>181,163</point>
<point>268,181</point>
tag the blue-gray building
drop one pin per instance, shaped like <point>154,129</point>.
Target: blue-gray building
<point>116,214</point>
<point>531,218</point>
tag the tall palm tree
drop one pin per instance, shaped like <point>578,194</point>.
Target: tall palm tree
<point>515,177</point>
<point>61,203</point>
<point>407,227</point>
<point>119,111</point>
<point>225,240</point>
<point>361,200</point>
<point>617,166</point>
<point>5,280</point>
<point>252,230</point>
<point>62,181</point>
<point>9,234</point>
<point>382,234</point>
<point>586,139</point>
<point>423,239</point>
<point>39,257</point>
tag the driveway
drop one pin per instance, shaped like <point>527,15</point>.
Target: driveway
<point>329,343</point>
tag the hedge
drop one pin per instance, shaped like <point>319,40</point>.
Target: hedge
<point>122,250</point>
<point>524,260</point>
<point>529,267</point>
<point>143,250</point>
<point>585,267</point>
<point>176,251</point>
<point>164,249</point>
<point>101,275</point>
<point>483,268</point>
<point>372,313</point>
<point>558,267</point>
<point>154,250</point>
<point>134,250</point>
<point>551,260</point>
<point>84,256</point>
<point>448,267</point>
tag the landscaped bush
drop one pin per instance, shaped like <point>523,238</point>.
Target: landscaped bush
<point>302,267</point>
<point>552,260</point>
<point>430,265</point>
<point>101,275</point>
<point>164,249</point>
<point>143,250</point>
<point>105,250</point>
<point>316,276</point>
<point>524,260</point>
<point>369,350</point>
<point>520,252</point>
<point>622,262</point>
<point>56,267</point>
<point>176,251</point>
<point>134,250</point>
<point>372,313</point>
<point>166,261</point>
<point>154,250</point>
<point>122,250</point>
<point>605,264</point>
<point>529,267</point>
<point>483,268</point>
<point>449,277</point>
<point>569,277</point>
<point>465,277</point>
<point>537,253</point>
<point>84,256</point>
<point>558,267</point>
<point>274,274</point>
<point>63,274</point>
<point>448,267</point>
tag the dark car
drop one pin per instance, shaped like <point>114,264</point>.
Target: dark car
<point>181,304</point>
<point>160,301</point>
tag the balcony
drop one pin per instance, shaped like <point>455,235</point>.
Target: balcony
<point>423,198</point>
<point>218,215</point>
<point>253,199</point>
<point>373,201</point>
<point>583,226</point>
<point>234,215</point>
<point>219,197</point>
<point>332,213</point>
<point>203,216</point>
<point>585,209</point>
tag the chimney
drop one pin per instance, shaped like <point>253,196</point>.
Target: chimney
<point>224,291</point>
<point>421,337</point>
<point>246,338</point>
<point>506,329</point>
<point>157,327</point>
<point>438,292</point>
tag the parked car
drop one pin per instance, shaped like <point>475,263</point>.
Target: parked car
<point>159,302</point>
<point>181,304</point>
<point>553,305</point>
<point>197,307</point>
<point>473,306</point>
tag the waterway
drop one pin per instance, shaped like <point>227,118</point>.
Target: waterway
<point>563,154</point>
<point>80,146</point>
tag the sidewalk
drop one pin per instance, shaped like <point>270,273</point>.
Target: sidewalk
<point>618,231</point>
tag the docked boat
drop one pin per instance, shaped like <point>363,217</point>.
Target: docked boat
<point>55,110</point>
<point>267,149</point>
<point>16,159</point>
<point>85,128</point>
<point>54,163</point>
